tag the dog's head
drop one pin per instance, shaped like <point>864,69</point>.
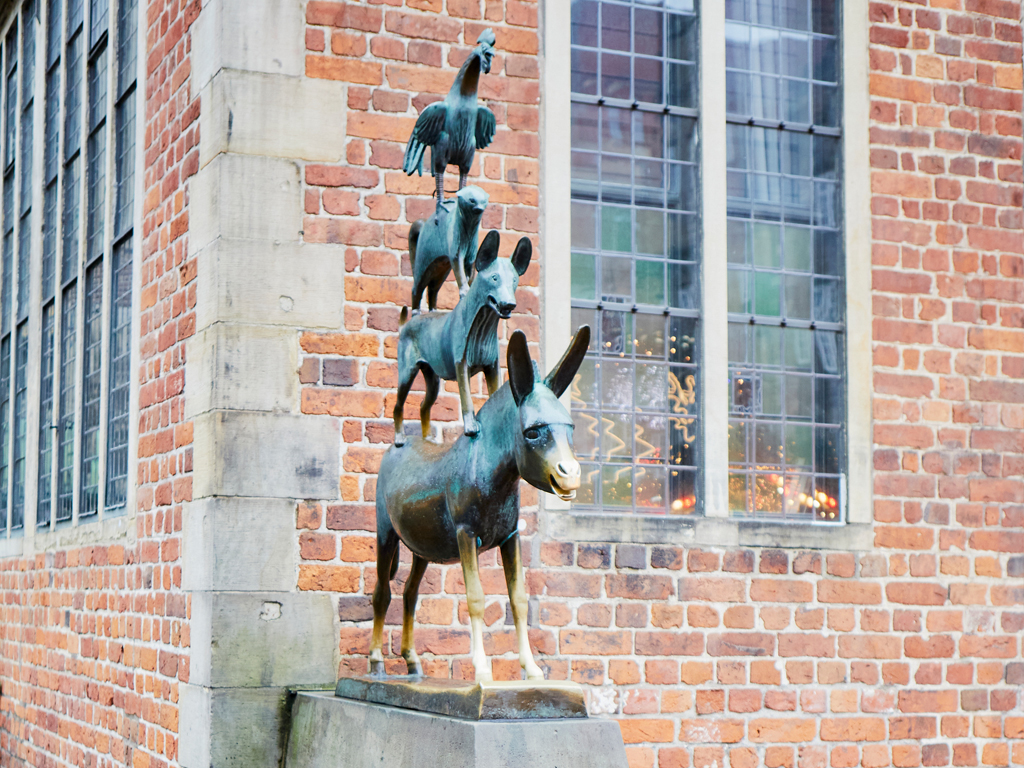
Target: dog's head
<point>497,279</point>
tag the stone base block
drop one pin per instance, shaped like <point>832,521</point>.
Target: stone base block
<point>331,732</point>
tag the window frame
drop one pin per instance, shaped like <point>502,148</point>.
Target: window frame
<point>715,527</point>
<point>108,523</point>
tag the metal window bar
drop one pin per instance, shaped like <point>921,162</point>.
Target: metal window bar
<point>91,391</point>
<point>45,483</point>
<point>120,375</point>
<point>66,422</point>
<point>20,426</point>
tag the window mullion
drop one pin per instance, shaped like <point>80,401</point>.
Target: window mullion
<point>714,265</point>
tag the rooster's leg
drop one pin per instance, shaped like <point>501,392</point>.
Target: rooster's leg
<point>462,179</point>
<point>439,180</point>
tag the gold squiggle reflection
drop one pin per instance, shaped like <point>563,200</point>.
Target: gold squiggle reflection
<point>681,399</point>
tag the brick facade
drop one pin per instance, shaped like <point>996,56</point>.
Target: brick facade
<point>906,655</point>
<point>909,654</point>
<point>94,639</point>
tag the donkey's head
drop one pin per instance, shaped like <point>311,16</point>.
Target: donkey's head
<point>496,279</point>
<point>544,450</point>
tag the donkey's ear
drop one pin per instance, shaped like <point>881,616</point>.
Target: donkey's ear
<point>561,377</point>
<point>520,368</point>
<point>488,251</point>
<point>522,254</point>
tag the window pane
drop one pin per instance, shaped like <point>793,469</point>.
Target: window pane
<point>125,170</point>
<point>45,484</point>
<point>120,375</point>
<point>73,97</point>
<point>66,424</point>
<point>20,426</point>
<point>126,44</point>
<point>5,424</point>
<point>90,461</point>
<point>71,220</point>
<point>99,11</point>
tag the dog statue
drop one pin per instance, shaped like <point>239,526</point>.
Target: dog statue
<point>456,345</point>
<point>445,240</point>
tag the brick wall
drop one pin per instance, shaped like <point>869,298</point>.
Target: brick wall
<point>905,655</point>
<point>94,639</point>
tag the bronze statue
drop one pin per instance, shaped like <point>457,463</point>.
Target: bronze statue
<point>456,345</point>
<point>446,503</point>
<point>445,240</point>
<point>455,128</point>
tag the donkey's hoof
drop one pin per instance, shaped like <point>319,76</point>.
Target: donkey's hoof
<point>472,429</point>
<point>399,439</point>
<point>533,672</point>
<point>377,669</point>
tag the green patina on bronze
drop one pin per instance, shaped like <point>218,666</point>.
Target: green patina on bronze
<point>446,503</point>
<point>485,700</point>
<point>445,241</point>
<point>455,128</point>
<point>457,345</point>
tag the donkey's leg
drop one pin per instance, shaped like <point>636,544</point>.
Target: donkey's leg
<point>387,559</point>
<point>432,292</point>
<point>433,384</point>
<point>475,601</point>
<point>492,377</point>
<point>466,399</point>
<point>511,561</point>
<point>412,586</point>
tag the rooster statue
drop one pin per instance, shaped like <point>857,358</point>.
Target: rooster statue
<point>455,128</point>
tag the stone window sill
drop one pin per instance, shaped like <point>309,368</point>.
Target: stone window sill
<point>704,531</point>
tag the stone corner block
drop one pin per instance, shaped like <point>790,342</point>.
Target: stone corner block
<point>274,455</point>
<point>291,284</point>
<point>245,197</point>
<point>252,113</point>
<point>241,367</point>
<point>254,35</point>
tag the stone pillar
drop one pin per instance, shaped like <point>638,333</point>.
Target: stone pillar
<point>255,455</point>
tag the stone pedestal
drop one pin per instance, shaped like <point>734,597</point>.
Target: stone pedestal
<point>333,732</point>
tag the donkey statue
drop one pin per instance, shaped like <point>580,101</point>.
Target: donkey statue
<point>456,345</point>
<point>445,240</point>
<point>446,503</point>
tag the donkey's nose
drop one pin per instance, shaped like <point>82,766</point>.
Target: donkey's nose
<point>505,308</point>
<point>568,469</point>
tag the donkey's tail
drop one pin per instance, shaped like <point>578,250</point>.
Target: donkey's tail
<point>404,317</point>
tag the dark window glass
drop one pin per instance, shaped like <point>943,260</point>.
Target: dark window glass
<point>97,89</point>
<point>24,264</point>
<point>49,239</point>
<point>51,138</point>
<point>120,374</point>
<point>126,44</point>
<point>99,11</point>
<point>125,169</point>
<point>53,30</point>
<point>10,109</point>
<point>5,423</point>
<point>45,484</point>
<point>71,223</point>
<point>66,424</point>
<point>90,451</point>
<point>73,97</point>
<point>76,15</point>
<point>20,425</point>
<point>28,51</point>
<point>6,294</point>
<point>97,156</point>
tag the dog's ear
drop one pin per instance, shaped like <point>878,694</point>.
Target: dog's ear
<point>488,251</point>
<point>522,255</point>
<point>520,368</point>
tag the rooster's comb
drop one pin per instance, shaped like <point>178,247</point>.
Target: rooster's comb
<point>487,37</point>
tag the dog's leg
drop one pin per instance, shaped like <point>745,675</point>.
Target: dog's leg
<point>493,378</point>
<point>406,376</point>
<point>474,601</point>
<point>468,417</point>
<point>511,561</point>
<point>433,383</point>
<point>412,586</point>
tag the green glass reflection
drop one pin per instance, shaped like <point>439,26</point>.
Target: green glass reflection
<point>617,486</point>
<point>738,299</point>
<point>737,442</point>
<point>650,282</point>
<point>765,245</point>
<point>736,241</point>
<point>738,496</point>
<point>583,276</point>
<point>767,345</point>
<point>771,393</point>
<point>766,294</point>
<point>616,229</point>
<point>584,225</point>
<point>798,249</point>
<point>650,232</point>
<point>799,348</point>
<point>798,444</point>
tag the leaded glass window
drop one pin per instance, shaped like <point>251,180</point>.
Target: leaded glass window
<point>636,254</point>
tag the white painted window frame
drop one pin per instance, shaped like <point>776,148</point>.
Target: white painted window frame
<point>105,526</point>
<point>715,526</point>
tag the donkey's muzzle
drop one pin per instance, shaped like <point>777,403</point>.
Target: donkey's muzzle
<point>505,310</point>
<point>565,480</point>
